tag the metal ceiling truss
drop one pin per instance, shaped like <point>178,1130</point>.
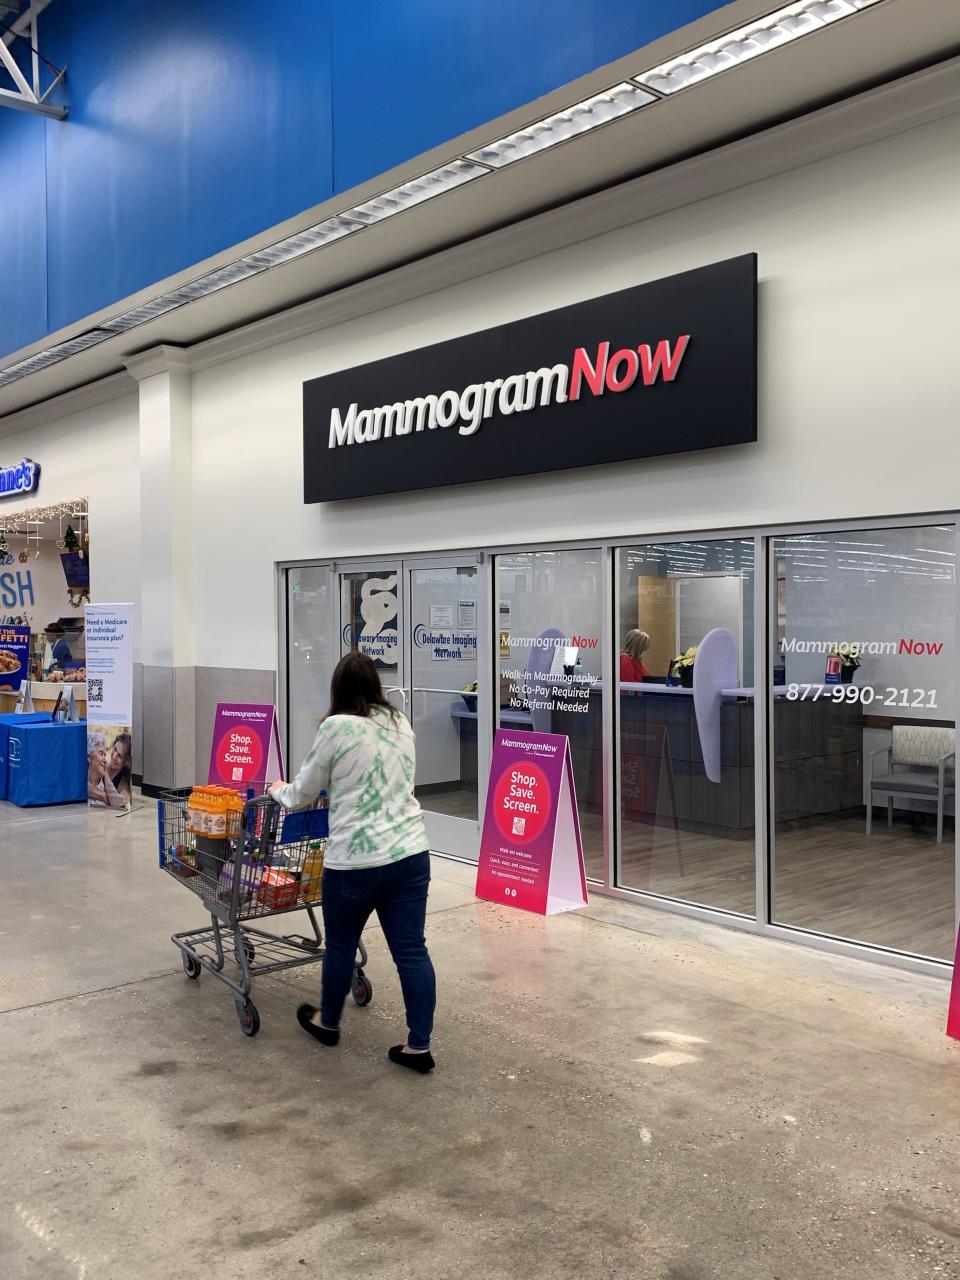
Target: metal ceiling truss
<point>16,89</point>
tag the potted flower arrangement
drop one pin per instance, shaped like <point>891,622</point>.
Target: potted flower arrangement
<point>682,667</point>
<point>849,661</point>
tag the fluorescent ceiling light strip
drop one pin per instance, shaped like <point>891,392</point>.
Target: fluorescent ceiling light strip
<point>303,242</point>
<point>414,192</point>
<point>212,282</point>
<point>31,365</point>
<point>139,315</point>
<point>569,123</point>
<point>82,342</point>
<point>764,34</point>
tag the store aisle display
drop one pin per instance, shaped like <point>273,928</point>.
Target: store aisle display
<point>7,721</point>
<point>46,763</point>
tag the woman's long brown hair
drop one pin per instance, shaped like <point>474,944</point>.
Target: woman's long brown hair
<point>355,688</point>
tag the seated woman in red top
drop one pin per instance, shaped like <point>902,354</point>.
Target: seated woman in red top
<point>635,645</point>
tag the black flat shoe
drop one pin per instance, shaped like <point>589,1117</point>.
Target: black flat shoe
<point>304,1014</point>
<point>422,1062</point>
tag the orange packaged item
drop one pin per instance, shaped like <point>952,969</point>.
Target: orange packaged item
<point>312,874</point>
<point>197,812</point>
<point>234,803</point>
<point>278,890</point>
<point>218,813</point>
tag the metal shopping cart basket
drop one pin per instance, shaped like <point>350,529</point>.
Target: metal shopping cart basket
<point>247,865</point>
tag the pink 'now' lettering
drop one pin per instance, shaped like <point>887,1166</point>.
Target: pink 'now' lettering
<point>663,363</point>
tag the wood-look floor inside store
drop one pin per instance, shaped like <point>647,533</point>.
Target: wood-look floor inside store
<point>892,889</point>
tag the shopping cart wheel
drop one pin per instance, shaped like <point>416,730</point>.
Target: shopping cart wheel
<point>247,1013</point>
<point>249,950</point>
<point>362,988</point>
<point>191,966</point>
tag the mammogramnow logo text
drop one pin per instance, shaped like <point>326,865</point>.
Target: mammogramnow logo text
<point>861,648</point>
<point>519,393</point>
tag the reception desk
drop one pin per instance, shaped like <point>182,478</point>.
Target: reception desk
<point>818,756</point>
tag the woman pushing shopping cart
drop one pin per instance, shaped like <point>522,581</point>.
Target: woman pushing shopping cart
<point>376,856</point>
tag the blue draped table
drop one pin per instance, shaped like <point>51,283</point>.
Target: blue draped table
<point>8,718</point>
<point>46,763</point>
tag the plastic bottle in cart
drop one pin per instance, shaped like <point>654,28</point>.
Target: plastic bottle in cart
<point>218,810</point>
<point>210,812</point>
<point>312,873</point>
<point>203,811</point>
<point>211,818</point>
<point>195,815</point>
<point>234,808</point>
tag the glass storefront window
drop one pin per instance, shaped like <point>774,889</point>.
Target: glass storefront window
<point>309,659</point>
<point>549,628</point>
<point>686,702</point>
<point>864,730</point>
<point>860,766</point>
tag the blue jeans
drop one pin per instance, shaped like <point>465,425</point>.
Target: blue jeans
<point>398,894</point>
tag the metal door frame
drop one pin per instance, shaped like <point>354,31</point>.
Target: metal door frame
<point>452,560</point>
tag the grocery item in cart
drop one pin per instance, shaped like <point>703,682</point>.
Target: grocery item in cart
<point>214,812</point>
<point>183,860</point>
<point>251,873</point>
<point>312,874</point>
<point>278,889</point>
<point>197,807</point>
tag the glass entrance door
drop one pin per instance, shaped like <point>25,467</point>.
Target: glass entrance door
<point>445,702</point>
<point>370,619</point>
<point>420,622</point>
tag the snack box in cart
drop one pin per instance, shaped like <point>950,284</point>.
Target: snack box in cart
<point>278,889</point>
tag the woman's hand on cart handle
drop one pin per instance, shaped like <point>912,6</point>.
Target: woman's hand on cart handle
<point>274,787</point>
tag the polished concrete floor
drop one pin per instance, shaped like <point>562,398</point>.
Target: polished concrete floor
<point>620,1093</point>
<point>893,888</point>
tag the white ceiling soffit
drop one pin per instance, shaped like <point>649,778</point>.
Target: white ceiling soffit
<point>887,39</point>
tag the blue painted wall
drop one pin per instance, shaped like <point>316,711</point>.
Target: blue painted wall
<point>196,123</point>
<point>23,234</point>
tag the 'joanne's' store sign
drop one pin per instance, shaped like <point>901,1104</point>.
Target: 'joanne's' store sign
<point>18,480</point>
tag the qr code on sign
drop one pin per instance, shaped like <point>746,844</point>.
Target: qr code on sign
<point>519,826</point>
<point>94,690</point>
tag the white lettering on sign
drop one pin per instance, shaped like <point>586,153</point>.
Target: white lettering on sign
<point>518,393</point>
<point>858,648</point>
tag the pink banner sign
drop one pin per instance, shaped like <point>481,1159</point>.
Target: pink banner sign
<point>531,853</point>
<point>953,1009</point>
<point>246,747</point>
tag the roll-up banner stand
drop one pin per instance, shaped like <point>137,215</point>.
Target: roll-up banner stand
<point>109,658</point>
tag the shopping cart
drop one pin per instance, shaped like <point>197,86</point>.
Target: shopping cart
<point>258,862</point>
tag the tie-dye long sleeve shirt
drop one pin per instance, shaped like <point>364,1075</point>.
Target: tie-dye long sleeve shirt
<point>367,766</point>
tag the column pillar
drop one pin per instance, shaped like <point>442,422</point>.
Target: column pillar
<point>167,720</point>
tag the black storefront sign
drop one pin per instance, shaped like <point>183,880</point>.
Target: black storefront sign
<point>660,368</point>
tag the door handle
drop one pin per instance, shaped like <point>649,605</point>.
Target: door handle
<point>403,697</point>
